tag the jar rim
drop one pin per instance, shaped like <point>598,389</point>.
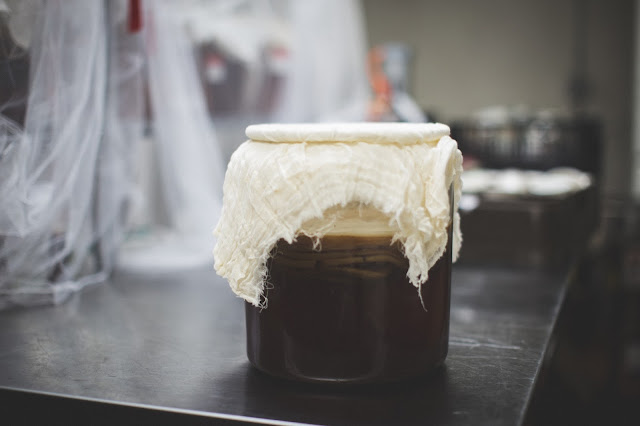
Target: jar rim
<point>368,132</point>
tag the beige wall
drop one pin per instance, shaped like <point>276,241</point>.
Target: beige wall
<point>476,53</point>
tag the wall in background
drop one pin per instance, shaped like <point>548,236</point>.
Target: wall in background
<point>472,54</point>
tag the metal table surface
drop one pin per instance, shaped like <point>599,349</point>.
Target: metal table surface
<point>175,344</point>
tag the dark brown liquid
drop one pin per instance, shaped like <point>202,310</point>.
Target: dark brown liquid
<point>348,313</point>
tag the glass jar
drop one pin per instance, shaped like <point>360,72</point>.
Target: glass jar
<point>338,302</point>
<point>348,313</point>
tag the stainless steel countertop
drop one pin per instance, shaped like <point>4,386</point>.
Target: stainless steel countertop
<point>174,345</point>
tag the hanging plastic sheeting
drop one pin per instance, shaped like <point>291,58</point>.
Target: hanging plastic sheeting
<point>278,60</point>
<point>242,52</point>
<point>226,63</point>
<point>63,148</point>
<point>183,163</point>
<point>328,76</point>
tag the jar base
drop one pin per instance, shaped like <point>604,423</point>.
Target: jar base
<point>353,381</point>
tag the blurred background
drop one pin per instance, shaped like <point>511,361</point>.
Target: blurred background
<point>117,120</point>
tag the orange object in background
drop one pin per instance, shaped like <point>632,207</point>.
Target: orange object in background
<point>380,105</point>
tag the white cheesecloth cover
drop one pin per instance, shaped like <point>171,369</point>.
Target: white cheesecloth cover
<point>288,174</point>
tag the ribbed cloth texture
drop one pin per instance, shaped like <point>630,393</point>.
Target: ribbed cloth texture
<point>271,189</point>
